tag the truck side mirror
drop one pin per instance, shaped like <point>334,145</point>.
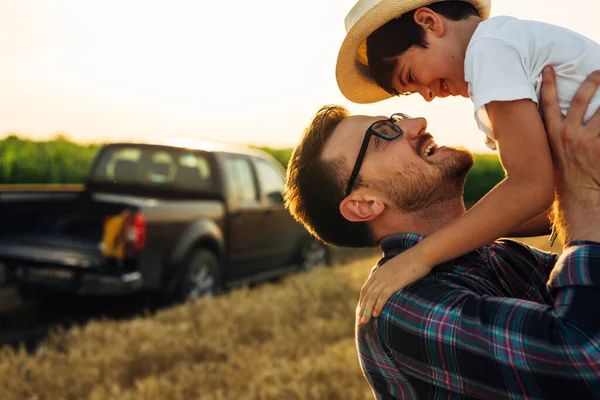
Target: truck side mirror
<point>275,197</point>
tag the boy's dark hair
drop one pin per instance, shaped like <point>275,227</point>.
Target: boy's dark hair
<point>400,34</point>
<point>316,187</point>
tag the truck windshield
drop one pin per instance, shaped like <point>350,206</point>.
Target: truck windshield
<point>154,166</point>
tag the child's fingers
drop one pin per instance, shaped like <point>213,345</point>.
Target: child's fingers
<point>365,315</point>
<point>365,292</point>
<point>370,299</point>
<point>367,309</point>
<point>365,288</point>
<point>363,305</point>
<point>383,297</point>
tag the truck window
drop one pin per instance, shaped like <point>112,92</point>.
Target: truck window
<point>193,171</point>
<point>162,168</point>
<point>241,182</point>
<point>154,166</point>
<point>271,180</point>
<point>122,165</point>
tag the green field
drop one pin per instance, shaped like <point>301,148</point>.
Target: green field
<point>63,161</point>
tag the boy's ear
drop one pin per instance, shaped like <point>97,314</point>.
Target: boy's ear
<point>430,21</point>
<point>357,207</point>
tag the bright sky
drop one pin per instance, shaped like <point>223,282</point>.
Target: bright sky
<point>253,72</point>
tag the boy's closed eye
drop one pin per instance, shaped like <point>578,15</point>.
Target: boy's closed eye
<point>404,81</point>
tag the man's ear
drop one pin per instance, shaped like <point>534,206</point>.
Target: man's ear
<point>430,21</point>
<point>360,208</point>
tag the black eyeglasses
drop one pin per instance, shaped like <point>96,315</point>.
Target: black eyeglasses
<point>385,129</point>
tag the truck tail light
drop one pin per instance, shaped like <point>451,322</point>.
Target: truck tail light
<point>135,232</point>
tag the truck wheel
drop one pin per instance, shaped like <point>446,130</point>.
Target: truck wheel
<point>314,253</point>
<point>200,276</point>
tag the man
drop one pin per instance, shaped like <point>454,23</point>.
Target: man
<point>505,321</point>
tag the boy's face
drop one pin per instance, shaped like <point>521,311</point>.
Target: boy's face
<point>435,71</point>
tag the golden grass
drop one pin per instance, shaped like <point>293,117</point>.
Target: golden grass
<point>293,340</point>
<point>288,341</point>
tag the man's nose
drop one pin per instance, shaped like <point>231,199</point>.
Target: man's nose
<point>414,127</point>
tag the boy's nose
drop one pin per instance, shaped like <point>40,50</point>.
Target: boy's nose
<point>426,93</point>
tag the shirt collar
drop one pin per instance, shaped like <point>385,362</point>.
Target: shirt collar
<point>396,243</point>
<point>399,242</point>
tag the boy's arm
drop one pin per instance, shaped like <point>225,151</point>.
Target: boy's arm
<point>537,226</point>
<point>527,191</point>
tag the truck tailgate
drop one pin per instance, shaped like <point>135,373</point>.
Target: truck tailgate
<point>42,250</point>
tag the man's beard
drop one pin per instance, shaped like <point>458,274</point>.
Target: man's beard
<point>416,190</point>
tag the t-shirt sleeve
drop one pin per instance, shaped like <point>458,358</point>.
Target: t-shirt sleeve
<point>496,70</point>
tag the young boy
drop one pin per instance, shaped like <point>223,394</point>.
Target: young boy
<point>452,48</point>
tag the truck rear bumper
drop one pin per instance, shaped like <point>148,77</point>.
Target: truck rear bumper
<point>63,265</point>
<point>78,282</point>
<point>107,285</point>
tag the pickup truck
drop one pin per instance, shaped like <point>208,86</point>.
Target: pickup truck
<point>182,219</point>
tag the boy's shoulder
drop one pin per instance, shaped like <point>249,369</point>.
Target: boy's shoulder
<point>512,29</point>
<point>500,26</point>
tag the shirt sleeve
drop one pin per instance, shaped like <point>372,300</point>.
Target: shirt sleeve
<point>489,347</point>
<point>545,259</point>
<point>496,70</point>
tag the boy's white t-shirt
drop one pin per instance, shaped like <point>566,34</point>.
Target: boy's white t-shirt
<point>505,58</point>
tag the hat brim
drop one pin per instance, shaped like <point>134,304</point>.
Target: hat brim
<point>353,77</point>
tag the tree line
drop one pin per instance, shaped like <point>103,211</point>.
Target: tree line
<point>61,160</point>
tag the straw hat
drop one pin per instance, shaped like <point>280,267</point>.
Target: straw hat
<point>352,71</point>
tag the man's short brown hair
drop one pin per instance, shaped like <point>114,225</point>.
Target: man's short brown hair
<point>315,187</point>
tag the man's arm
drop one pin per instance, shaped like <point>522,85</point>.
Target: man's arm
<point>576,154</point>
<point>488,347</point>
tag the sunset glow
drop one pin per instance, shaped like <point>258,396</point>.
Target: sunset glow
<point>236,71</point>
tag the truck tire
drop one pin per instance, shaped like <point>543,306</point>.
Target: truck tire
<point>200,276</point>
<point>314,253</point>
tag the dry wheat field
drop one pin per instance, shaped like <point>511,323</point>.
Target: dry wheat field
<point>293,340</point>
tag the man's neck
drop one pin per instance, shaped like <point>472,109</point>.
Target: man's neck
<point>423,222</point>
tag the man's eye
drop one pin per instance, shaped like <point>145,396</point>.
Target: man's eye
<point>376,141</point>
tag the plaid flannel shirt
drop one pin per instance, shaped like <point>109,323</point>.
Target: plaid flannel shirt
<point>504,322</point>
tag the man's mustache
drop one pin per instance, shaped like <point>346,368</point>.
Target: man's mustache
<point>421,142</point>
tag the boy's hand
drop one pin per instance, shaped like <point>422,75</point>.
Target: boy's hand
<point>395,274</point>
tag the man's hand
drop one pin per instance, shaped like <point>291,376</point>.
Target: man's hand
<point>576,154</point>
<point>402,270</point>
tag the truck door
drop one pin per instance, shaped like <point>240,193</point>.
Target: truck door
<point>281,230</point>
<point>246,216</point>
